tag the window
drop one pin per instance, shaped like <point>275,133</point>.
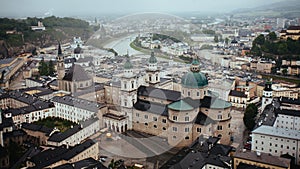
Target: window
<point>175,118</point>
<point>198,93</point>
<point>154,118</point>
<point>219,127</point>
<point>164,128</point>
<point>164,120</point>
<point>187,119</point>
<point>155,126</point>
<point>174,137</point>
<point>125,86</point>
<point>199,130</point>
<point>229,125</point>
<point>187,137</point>
<point>186,129</point>
<point>219,116</point>
<point>146,124</point>
<point>146,116</point>
<point>189,93</point>
<point>174,129</point>
<point>137,115</point>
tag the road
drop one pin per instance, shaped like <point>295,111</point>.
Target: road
<point>237,126</point>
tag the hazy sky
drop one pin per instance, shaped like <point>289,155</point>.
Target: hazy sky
<point>87,7</point>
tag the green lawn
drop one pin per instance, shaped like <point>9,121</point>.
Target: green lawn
<point>61,124</point>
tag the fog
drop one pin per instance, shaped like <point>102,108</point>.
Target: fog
<point>94,7</point>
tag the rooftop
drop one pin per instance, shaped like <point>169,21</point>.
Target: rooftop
<point>264,158</point>
<point>79,103</point>
<point>151,107</point>
<point>164,94</point>
<point>237,93</point>
<point>277,132</point>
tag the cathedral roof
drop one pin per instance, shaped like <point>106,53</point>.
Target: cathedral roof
<point>76,73</point>
<point>180,105</point>
<point>152,58</point>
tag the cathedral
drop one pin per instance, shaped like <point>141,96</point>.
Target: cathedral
<point>179,116</point>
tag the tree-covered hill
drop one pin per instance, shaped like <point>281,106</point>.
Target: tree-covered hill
<point>57,29</point>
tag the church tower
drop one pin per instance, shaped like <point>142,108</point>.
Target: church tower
<point>152,76</point>
<point>267,97</point>
<point>60,67</point>
<point>128,91</point>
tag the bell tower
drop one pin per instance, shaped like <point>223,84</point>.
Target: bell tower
<point>267,97</point>
<point>60,67</point>
<point>152,76</point>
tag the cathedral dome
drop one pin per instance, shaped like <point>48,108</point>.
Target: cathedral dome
<point>194,78</point>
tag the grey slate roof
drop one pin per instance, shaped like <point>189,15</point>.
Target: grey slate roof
<point>35,127</point>
<point>151,107</point>
<point>76,73</point>
<point>80,103</point>
<point>50,156</point>
<point>202,119</point>
<point>164,94</point>
<point>288,112</point>
<point>88,163</point>
<point>199,154</point>
<point>237,93</point>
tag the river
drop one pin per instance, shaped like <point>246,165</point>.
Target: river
<point>122,45</point>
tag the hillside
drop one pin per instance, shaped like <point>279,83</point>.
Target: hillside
<point>287,9</point>
<point>23,39</point>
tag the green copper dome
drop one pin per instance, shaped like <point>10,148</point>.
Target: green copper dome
<point>128,64</point>
<point>152,58</point>
<point>194,80</point>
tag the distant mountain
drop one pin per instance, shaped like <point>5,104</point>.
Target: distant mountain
<point>287,8</point>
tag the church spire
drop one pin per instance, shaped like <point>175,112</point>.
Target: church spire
<point>59,49</point>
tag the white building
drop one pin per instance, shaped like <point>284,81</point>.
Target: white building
<point>287,119</point>
<point>276,141</point>
<point>75,109</point>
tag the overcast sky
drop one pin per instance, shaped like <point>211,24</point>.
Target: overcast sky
<point>87,7</point>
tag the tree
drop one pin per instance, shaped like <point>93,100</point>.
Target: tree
<point>272,36</point>
<point>250,115</point>
<point>216,38</point>
<point>226,41</point>
<point>43,68</point>
<point>284,71</point>
<point>260,40</point>
<point>51,68</point>
<point>282,48</point>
